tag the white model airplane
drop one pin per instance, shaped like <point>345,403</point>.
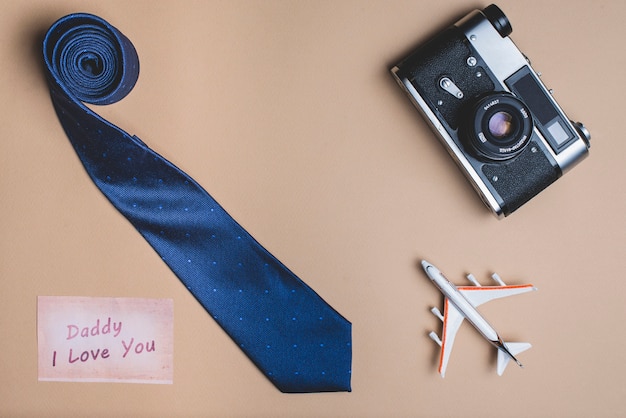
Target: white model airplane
<point>460,303</point>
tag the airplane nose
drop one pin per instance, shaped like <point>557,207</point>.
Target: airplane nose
<point>425,264</point>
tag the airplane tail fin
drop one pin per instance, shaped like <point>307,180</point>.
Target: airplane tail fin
<point>504,358</point>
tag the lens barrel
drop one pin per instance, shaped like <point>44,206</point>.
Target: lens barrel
<point>498,127</point>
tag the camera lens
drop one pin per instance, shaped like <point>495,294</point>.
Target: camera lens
<point>499,126</point>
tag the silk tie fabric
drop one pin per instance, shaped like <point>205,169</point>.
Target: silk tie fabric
<point>293,336</point>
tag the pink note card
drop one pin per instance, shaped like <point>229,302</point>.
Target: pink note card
<point>89,339</point>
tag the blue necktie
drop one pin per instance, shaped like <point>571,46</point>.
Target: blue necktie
<point>293,336</point>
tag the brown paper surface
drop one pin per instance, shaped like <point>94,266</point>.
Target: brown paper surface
<point>285,111</point>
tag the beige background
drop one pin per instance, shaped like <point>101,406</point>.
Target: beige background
<point>286,112</point>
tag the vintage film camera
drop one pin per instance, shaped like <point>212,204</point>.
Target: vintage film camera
<point>491,111</point>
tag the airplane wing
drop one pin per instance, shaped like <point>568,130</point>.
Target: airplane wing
<point>452,320</point>
<point>477,295</point>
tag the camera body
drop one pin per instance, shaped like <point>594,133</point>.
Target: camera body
<point>491,111</point>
